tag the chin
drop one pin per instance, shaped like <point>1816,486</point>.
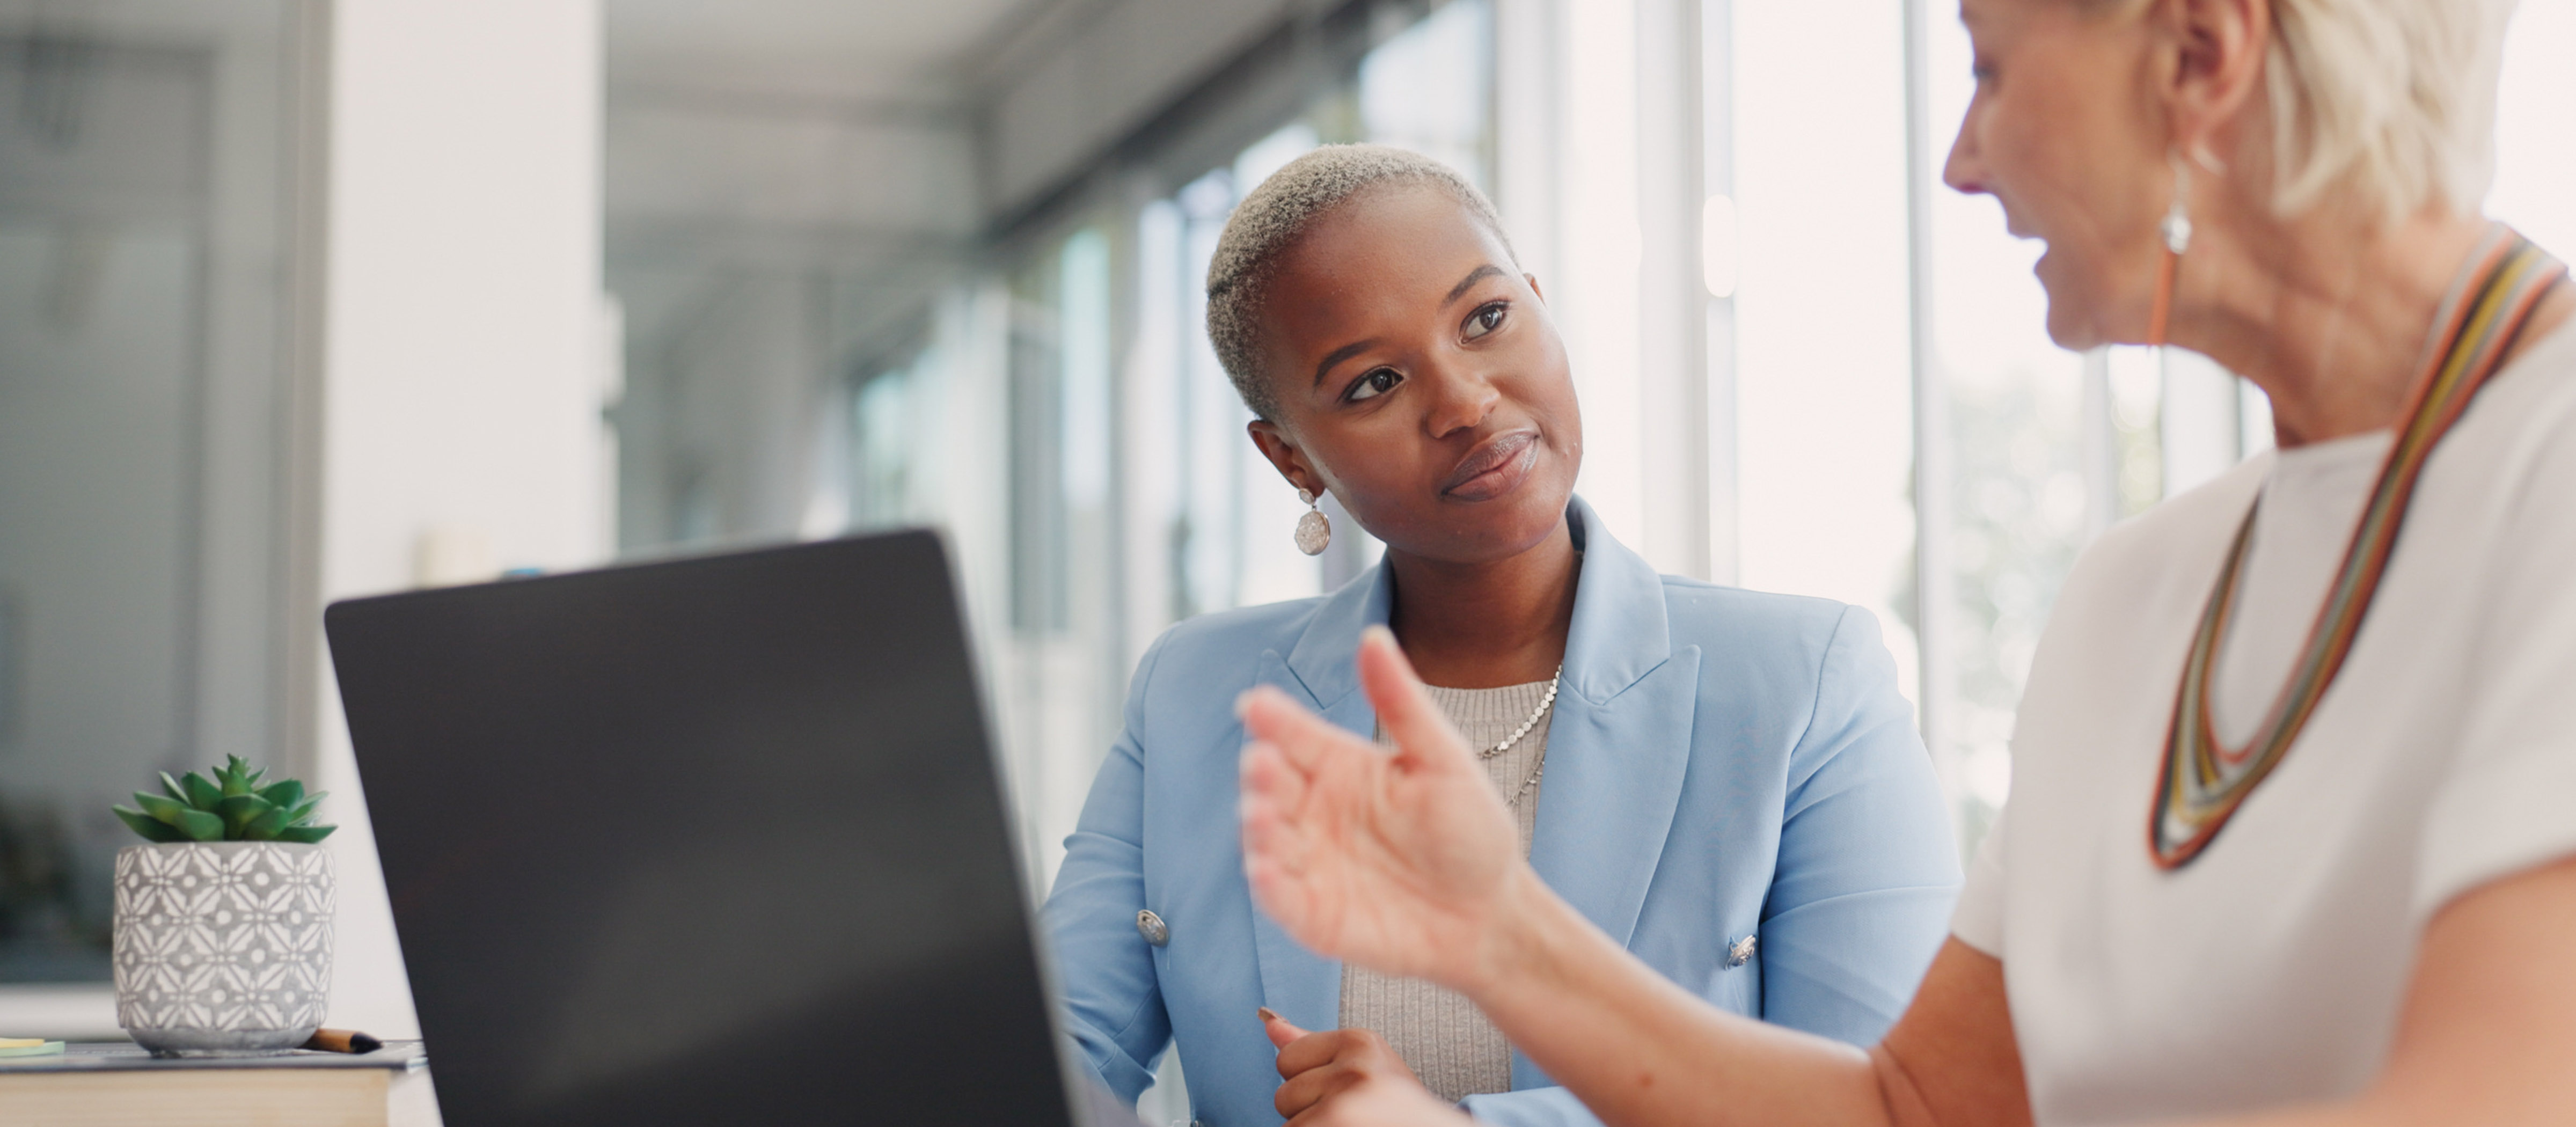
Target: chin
<point>2070,318</point>
<point>2072,332</point>
<point>1527,522</point>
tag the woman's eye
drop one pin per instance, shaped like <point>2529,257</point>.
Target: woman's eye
<point>1376,383</point>
<point>1485,320</point>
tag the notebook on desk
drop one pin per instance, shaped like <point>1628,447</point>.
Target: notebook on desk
<point>718,840</point>
<point>119,1084</point>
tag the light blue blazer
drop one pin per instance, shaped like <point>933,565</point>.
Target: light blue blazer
<point>1722,764</point>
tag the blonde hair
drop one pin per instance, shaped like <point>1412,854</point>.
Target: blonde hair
<point>2391,101</point>
<point>1278,213</point>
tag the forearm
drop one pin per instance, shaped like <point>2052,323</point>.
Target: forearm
<point>1643,1052</point>
<point>1530,1107</point>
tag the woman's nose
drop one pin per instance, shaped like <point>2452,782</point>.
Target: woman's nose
<point>1463,401</point>
<point>1964,172</point>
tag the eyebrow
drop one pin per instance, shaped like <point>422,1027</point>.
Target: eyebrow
<point>1488,270</point>
<point>1338,355</point>
<point>1345,352</point>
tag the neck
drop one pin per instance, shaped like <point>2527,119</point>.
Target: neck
<point>2327,313</point>
<point>1486,625</point>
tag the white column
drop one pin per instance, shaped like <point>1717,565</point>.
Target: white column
<point>1935,609</point>
<point>461,368</point>
<point>1529,107</point>
<point>1596,295</point>
<point>1672,309</point>
<point>1721,257</point>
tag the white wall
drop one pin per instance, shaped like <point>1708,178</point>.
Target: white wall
<point>462,368</point>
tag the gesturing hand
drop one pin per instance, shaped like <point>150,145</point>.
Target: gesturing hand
<point>1347,1076</point>
<point>1403,863</point>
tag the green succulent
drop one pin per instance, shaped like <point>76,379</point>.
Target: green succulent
<point>233,807</point>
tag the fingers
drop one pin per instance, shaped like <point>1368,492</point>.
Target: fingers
<point>1274,846</point>
<point>1379,1102</point>
<point>1274,717</point>
<point>1283,897</point>
<point>1270,780</point>
<point>1422,733</point>
<point>1271,790</point>
<point>1280,1029</point>
<point>1312,1051</point>
<point>1314,1086</point>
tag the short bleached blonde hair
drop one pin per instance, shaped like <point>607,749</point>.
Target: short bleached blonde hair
<point>2386,103</point>
<point>1275,215</point>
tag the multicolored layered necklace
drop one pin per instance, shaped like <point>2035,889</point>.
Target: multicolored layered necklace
<point>2204,781</point>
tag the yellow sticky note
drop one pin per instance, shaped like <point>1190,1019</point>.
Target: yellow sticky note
<point>20,1042</point>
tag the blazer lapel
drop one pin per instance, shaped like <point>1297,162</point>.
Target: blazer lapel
<point>1304,987</point>
<point>1618,746</point>
<point>1613,784</point>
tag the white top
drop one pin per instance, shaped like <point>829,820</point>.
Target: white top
<point>2311,501</point>
<point>2271,968</point>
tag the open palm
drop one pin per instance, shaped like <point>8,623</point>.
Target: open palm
<point>1399,862</point>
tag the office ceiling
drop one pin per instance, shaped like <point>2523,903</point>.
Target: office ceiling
<point>859,46</point>
<point>816,139</point>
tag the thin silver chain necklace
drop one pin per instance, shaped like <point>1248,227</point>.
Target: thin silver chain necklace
<point>1545,703</point>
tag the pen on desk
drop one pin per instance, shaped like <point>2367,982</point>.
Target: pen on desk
<point>342,1041</point>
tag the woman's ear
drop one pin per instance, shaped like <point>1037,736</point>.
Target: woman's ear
<point>1532,279</point>
<point>1284,456</point>
<point>2219,48</point>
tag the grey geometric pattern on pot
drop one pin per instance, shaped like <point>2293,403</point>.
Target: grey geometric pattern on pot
<point>222,946</point>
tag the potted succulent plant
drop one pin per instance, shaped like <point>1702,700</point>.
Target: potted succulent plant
<point>223,923</point>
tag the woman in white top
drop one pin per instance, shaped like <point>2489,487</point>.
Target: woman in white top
<point>2293,829</point>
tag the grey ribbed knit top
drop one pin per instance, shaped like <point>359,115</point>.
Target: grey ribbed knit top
<point>1447,1041</point>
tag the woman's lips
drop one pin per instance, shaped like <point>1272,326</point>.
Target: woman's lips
<point>1495,468</point>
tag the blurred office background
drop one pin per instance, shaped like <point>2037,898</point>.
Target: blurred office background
<point>303,299</point>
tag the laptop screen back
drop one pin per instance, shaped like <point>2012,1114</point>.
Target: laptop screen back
<point>708,841</point>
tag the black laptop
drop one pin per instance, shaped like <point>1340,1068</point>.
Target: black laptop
<point>711,841</point>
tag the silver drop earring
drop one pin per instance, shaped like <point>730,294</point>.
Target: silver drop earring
<point>2175,230</point>
<point>1314,530</point>
<point>2176,227</point>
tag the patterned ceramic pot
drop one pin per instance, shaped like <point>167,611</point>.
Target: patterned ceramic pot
<point>222,947</point>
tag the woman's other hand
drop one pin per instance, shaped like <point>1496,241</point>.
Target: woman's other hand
<point>1404,863</point>
<point>1315,1068</point>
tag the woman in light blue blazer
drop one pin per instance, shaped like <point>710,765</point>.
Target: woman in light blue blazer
<point>1729,781</point>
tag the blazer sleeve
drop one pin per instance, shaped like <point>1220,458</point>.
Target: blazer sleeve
<point>1868,869</point>
<point>1113,1000</point>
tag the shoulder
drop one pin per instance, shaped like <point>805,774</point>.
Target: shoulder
<point>1224,646</point>
<point>1216,633</point>
<point>2173,548</point>
<point>2519,435</point>
<point>1710,615</point>
<point>2141,584</point>
<point>1786,656</point>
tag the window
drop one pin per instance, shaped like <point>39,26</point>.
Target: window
<point>149,616</point>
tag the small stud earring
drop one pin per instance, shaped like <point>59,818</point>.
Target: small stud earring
<point>1314,530</point>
